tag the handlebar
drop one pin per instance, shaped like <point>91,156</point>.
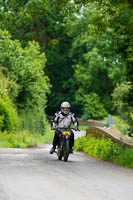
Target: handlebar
<point>59,128</point>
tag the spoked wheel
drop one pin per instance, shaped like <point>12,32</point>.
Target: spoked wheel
<point>66,150</point>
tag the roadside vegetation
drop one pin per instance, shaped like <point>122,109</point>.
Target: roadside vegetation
<point>24,139</point>
<point>83,127</point>
<point>105,149</point>
<point>23,90</point>
<point>78,51</point>
<point>121,125</point>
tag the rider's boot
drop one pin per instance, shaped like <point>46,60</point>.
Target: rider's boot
<point>52,150</point>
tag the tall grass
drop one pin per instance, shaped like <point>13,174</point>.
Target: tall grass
<point>24,139</point>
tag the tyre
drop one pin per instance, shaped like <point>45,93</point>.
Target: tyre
<point>60,156</point>
<point>59,153</point>
<point>66,150</point>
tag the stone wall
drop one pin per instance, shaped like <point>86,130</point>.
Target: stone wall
<point>116,136</point>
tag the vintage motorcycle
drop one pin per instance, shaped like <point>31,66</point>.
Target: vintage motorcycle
<point>63,146</point>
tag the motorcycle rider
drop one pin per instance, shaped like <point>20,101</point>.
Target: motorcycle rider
<point>63,119</point>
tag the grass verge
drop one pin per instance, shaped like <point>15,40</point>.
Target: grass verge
<point>24,139</point>
<point>83,128</point>
<point>105,149</point>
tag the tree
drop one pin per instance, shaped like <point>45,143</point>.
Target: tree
<point>80,38</point>
<point>98,66</point>
<point>92,108</point>
<point>28,85</point>
<point>42,21</point>
<point>25,70</point>
<point>121,15</point>
<point>120,95</point>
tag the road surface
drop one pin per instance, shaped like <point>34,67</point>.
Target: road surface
<point>34,174</point>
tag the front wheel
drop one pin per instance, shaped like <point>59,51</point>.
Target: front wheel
<point>66,150</point>
<point>59,152</point>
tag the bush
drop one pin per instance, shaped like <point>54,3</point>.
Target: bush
<point>24,67</point>
<point>26,84</point>
<point>17,141</point>
<point>120,96</point>
<point>121,125</point>
<point>24,139</point>
<point>105,149</point>
<point>92,108</point>
<point>8,115</point>
<point>34,121</point>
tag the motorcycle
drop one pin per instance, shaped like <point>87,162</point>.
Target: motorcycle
<point>63,147</point>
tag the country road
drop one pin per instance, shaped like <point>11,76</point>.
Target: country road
<point>34,174</point>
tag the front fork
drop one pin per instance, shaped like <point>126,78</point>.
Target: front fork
<point>63,140</point>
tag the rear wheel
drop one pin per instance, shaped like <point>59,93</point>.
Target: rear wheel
<point>66,150</point>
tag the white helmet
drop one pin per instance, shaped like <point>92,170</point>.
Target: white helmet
<point>65,108</point>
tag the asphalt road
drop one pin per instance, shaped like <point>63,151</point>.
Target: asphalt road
<point>34,174</point>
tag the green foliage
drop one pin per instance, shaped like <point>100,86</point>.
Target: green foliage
<point>92,108</point>
<point>99,148</point>
<point>121,125</point>
<point>42,21</point>
<point>34,121</point>
<point>23,139</point>
<point>26,85</point>
<point>120,96</point>
<point>130,132</point>
<point>83,127</point>
<point>8,115</point>
<point>97,65</point>
<point>25,69</point>
<point>88,45</point>
<point>120,19</point>
<point>105,149</point>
